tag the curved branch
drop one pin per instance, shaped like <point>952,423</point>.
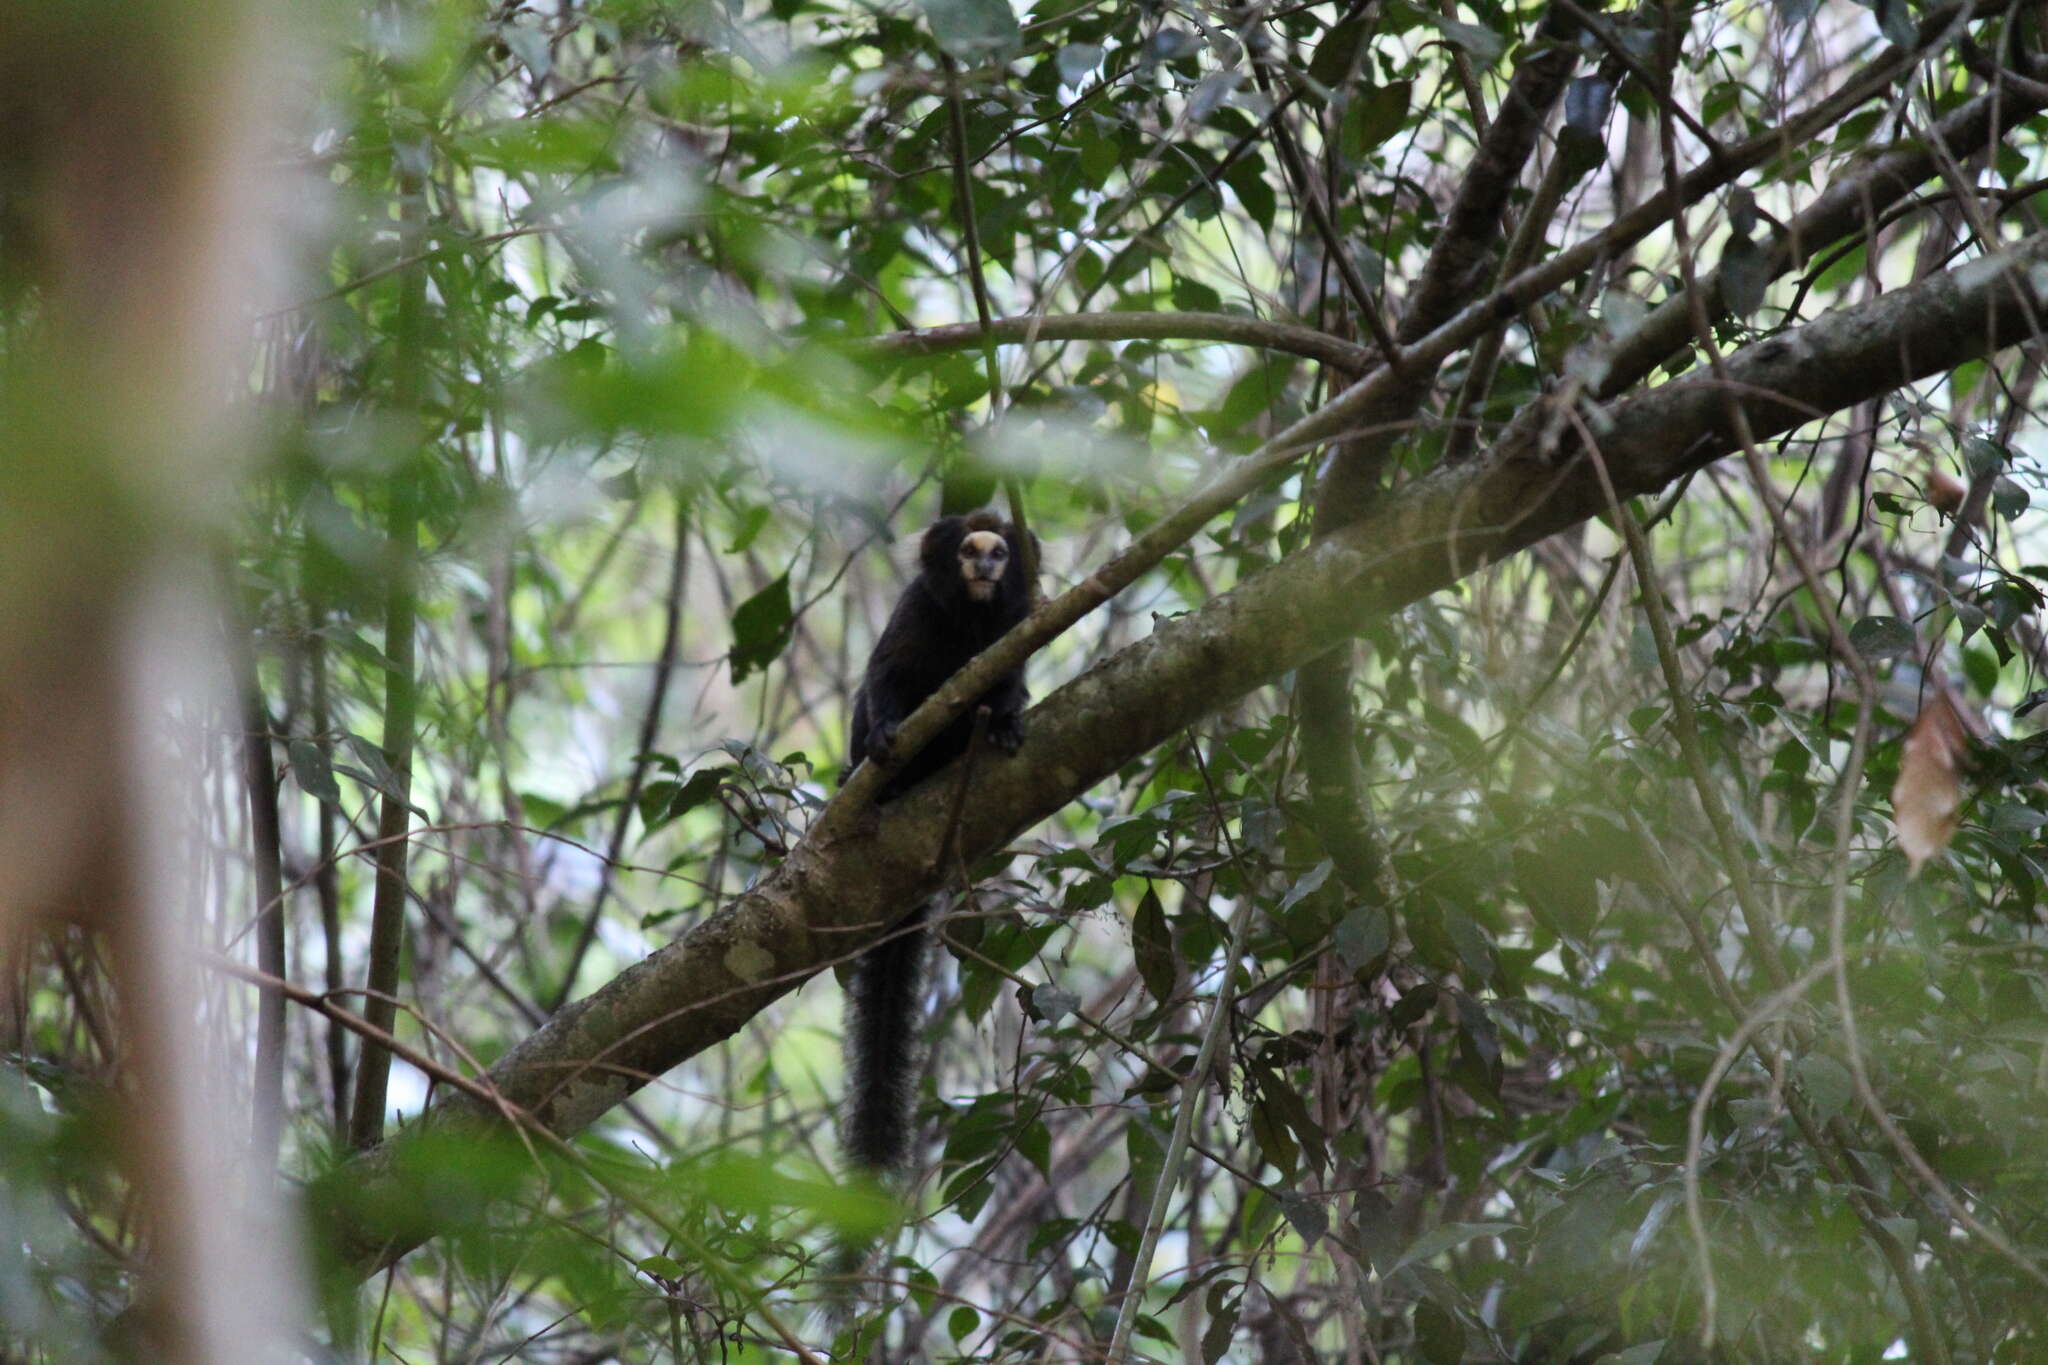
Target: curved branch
<point>849,878</point>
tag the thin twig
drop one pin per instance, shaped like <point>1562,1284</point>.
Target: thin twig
<point>949,846</point>
<point>643,756</point>
<point>1193,1087</point>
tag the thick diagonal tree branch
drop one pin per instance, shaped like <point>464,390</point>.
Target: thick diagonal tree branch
<point>857,869</point>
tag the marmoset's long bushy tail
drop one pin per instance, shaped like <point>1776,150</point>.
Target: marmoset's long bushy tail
<point>884,1046</point>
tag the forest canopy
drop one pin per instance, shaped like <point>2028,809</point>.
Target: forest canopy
<point>1526,847</point>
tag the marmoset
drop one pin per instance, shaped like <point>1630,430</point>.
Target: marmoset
<point>972,585</point>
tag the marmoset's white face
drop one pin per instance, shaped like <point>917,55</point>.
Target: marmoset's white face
<point>984,555</point>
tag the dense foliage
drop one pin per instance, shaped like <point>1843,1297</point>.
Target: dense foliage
<point>1540,978</point>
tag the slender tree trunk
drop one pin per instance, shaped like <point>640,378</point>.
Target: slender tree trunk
<point>401,700</point>
<point>267,863</point>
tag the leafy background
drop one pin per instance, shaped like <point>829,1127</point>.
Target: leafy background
<point>576,441</point>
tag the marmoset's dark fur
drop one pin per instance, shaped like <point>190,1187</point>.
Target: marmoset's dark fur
<point>972,585</point>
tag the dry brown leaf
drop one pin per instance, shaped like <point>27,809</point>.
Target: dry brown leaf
<point>1945,494</point>
<point>1927,800</point>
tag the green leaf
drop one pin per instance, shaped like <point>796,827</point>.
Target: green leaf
<point>1362,937</point>
<point>1192,296</point>
<point>1145,1326</point>
<point>1152,946</point>
<point>1100,158</point>
<point>1642,650</point>
<point>1336,52</point>
<point>760,629</point>
<point>311,771</point>
<point>1439,1336</point>
<point>2008,499</point>
<point>375,772</point>
<point>1222,1327</point>
<point>1247,179</point>
<point>1415,1002</point>
<point>529,147</point>
<point>1309,1219</point>
<point>1171,44</point>
<point>1479,1039</point>
<point>1745,276</point>
<point>702,786</point>
<point>1438,1240</point>
<point>1984,457</point>
<point>1269,1130</point>
<point>1034,1141</point>
<point>1894,20</point>
<point>1049,1004</point>
<point>1878,638</point>
<point>973,31</point>
<point>1483,45</point>
<point>1372,117</point>
<point>752,522</point>
<point>1582,142</point>
<point>542,811</point>
<point>529,45</point>
<point>1827,1083</point>
<point>1049,1233</point>
<point>1306,885</point>
<point>2010,819</point>
<point>1077,60</point>
<point>1144,1153</point>
<point>1742,212</point>
<point>1474,946</point>
<point>968,1189</point>
<point>1209,95</point>
<point>1981,668</point>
